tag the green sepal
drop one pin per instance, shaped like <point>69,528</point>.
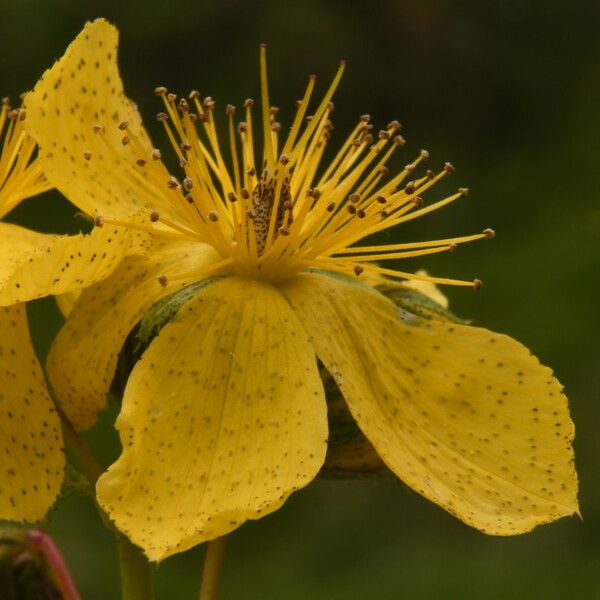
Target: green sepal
<point>419,304</point>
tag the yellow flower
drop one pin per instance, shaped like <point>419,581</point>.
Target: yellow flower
<point>31,453</point>
<point>224,416</point>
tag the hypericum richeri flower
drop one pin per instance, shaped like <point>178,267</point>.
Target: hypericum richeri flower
<point>31,455</point>
<point>256,269</point>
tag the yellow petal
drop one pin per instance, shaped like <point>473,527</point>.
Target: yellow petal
<point>467,417</point>
<point>31,453</point>
<point>83,90</point>
<point>66,302</point>
<point>16,242</point>
<point>83,357</point>
<point>223,418</point>
<point>54,264</point>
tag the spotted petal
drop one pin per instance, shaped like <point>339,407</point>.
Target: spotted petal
<point>83,357</point>
<point>74,114</point>
<point>223,417</point>
<point>467,417</point>
<point>36,265</point>
<point>31,453</point>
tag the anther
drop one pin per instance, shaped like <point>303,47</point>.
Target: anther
<point>230,109</point>
<point>125,140</point>
<point>417,201</point>
<point>156,155</point>
<point>171,97</point>
<point>248,103</point>
<point>154,216</point>
<point>194,94</point>
<point>358,269</point>
<point>213,215</point>
<point>381,199</point>
<point>123,125</point>
<point>161,90</point>
<point>283,230</point>
<point>87,155</point>
<point>365,118</point>
<point>208,103</point>
<point>449,167</point>
<point>489,233</point>
<point>287,205</point>
<point>98,128</point>
<point>231,197</point>
<point>245,193</point>
<point>140,162</point>
<point>383,135</point>
<point>354,198</point>
<point>172,183</point>
<point>395,125</point>
<point>183,106</point>
<point>400,141</point>
<point>330,206</point>
<point>251,214</point>
<point>185,146</point>
<point>409,167</point>
<point>162,116</point>
<point>316,194</point>
<point>98,221</point>
<point>276,126</point>
<point>188,184</point>
<point>361,214</point>
<point>452,246</point>
<point>384,214</point>
<point>410,187</point>
<point>22,114</point>
<point>203,117</point>
<point>429,174</point>
<point>189,198</point>
<point>463,191</point>
<point>163,280</point>
<point>243,127</point>
<point>251,171</point>
<point>193,117</point>
<point>383,170</point>
<point>424,154</point>
<point>477,284</point>
<point>351,209</point>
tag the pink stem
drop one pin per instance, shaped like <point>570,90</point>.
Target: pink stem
<point>42,542</point>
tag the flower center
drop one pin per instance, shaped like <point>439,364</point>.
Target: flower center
<point>289,216</point>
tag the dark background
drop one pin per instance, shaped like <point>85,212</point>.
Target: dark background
<point>510,92</point>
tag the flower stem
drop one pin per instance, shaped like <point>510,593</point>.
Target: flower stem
<point>137,574</point>
<point>80,450</point>
<point>213,567</point>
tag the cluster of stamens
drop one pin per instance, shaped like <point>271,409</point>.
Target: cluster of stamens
<point>20,177</point>
<point>283,216</point>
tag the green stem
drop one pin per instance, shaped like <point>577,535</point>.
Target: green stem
<point>213,568</point>
<point>137,574</point>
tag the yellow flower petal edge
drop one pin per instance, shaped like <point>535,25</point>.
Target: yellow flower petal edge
<point>31,452</point>
<point>83,357</point>
<point>466,417</point>
<point>64,112</point>
<point>223,417</point>
<point>58,264</point>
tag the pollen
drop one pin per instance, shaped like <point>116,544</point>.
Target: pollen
<point>273,216</point>
<point>20,174</point>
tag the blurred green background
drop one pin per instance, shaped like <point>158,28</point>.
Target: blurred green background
<point>507,90</point>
